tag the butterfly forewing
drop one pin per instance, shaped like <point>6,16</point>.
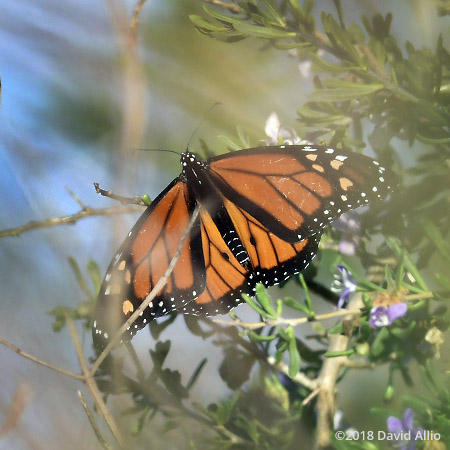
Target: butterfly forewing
<point>295,191</point>
<point>144,257</point>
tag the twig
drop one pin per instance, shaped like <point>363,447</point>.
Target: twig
<point>135,18</point>
<point>40,361</point>
<point>93,423</point>
<point>136,200</point>
<point>91,385</point>
<point>291,322</point>
<point>421,296</point>
<point>224,5</point>
<point>133,106</point>
<point>329,372</point>
<point>75,197</point>
<point>360,364</point>
<point>154,292</point>
<point>311,396</point>
<point>299,378</point>
<point>67,220</point>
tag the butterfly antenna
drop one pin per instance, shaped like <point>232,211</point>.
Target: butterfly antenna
<point>201,122</point>
<point>155,150</point>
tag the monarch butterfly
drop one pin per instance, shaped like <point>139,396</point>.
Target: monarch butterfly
<point>261,215</point>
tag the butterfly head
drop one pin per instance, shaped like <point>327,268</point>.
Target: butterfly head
<point>189,161</point>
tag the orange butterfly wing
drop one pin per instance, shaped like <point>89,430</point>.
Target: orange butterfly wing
<point>226,278</point>
<point>295,191</point>
<point>144,257</point>
<point>271,261</point>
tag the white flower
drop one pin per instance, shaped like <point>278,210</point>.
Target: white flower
<point>278,134</point>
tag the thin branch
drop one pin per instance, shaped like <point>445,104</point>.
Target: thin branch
<point>68,220</point>
<point>154,292</point>
<point>329,372</point>
<point>291,322</point>
<point>224,5</point>
<point>40,361</point>
<point>135,18</point>
<point>421,296</point>
<point>136,200</point>
<point>91,385</point>
<point>299,378</point>
<point>75,197</point>
<point>361,364</point>
<point>93,423</point>
<point>311,396</point>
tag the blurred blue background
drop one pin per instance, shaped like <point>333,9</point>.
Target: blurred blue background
<point>74,105</point>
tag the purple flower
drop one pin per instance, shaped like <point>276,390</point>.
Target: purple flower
<point>404,429</point>
<point>279,134</point>
<point>348,224</point>
<point>345,284</point>
<point>382,316</point>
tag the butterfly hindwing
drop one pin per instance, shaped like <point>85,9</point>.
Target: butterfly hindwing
<point>226,277</point>
<point>271,261</point>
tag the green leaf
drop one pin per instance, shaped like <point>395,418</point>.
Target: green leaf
<point>196,373</point>
<point>361,280</point>
<point>344,94</point>
<point>138,425</point>
<point>172,382</point>
<point>320,65</point>
<point>204,24</point>
<point>255,337</point>
<point>193,324</point>
<point>279,310</point>
<point>236,367</point>
<point>283,334</point>
<point>318,117</point>
<point>273,13</point>
<point>79,277</point>
<point>294,355</point>
<point>265,301</point>
<point>243,137</point>
<point>434,234</point>
<point>253,305</point>
<point>94,272</point>
<point>348,352</point>
<point>294,304</point>
<point>380,342</point>
<point>160,353</point>
<point>263,32</point>
<point>157,327</point>
<point>229,143</point>
<point>225,409</point>
<point>208,412</point>
<point>281,45</point>
<point>308,301</point>
<point>170,425</point>
<point>219,16</point>
<point>340,37</point>
<point>394,244</point>
<point>337,329</point>
<point>443,281</point>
